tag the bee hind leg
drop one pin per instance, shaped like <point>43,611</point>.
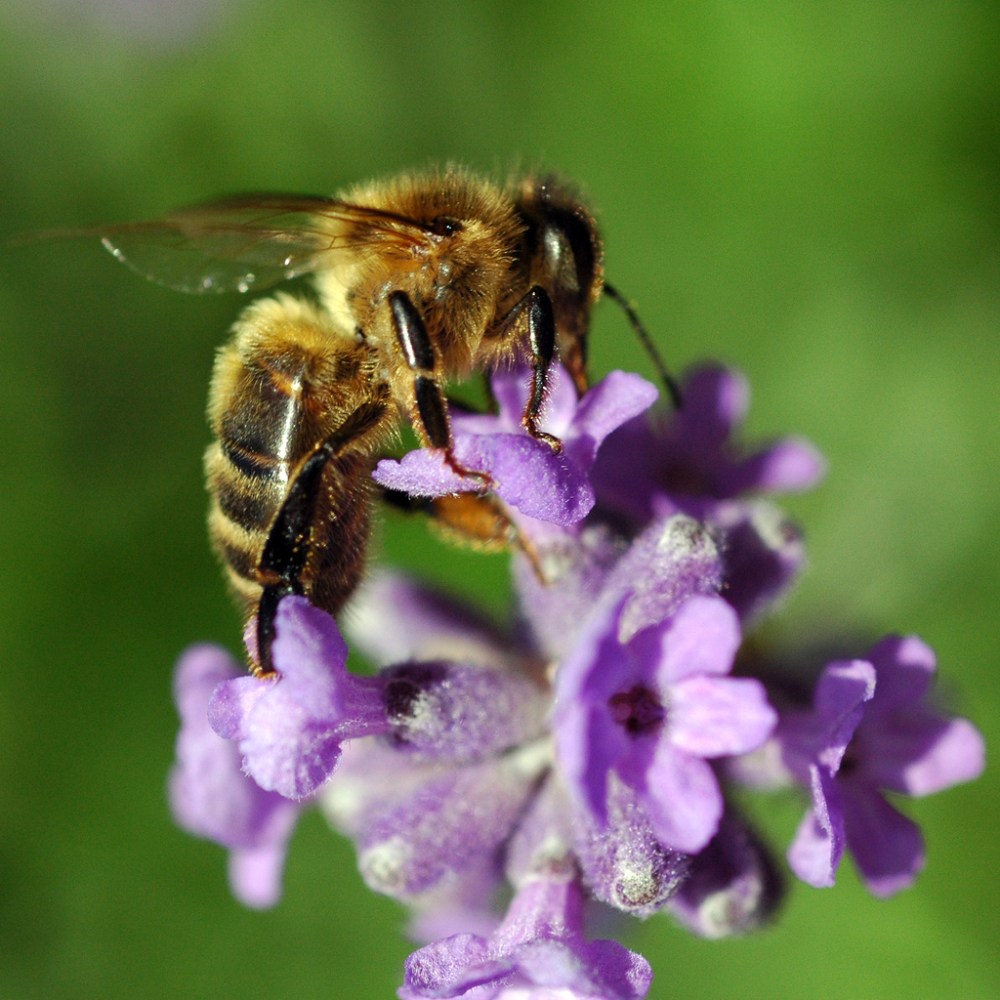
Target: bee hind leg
<point>289,560</point>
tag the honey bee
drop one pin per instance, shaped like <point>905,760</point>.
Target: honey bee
<point>419,280</point>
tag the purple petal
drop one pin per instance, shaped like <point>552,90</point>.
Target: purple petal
<point>617,969</point>
<point>526,473</point>
<point>843,690</point>
<point>232,701</point>
<point>588,741</point>
<point>683,798</point>
<point>719,716</point>
<point>702,638</point>
<point>511,388</point>
<point>441,969</point>
<point>255,874</point>
<point>588,746</point>
<point>905,666</point>
<point>310,654</point>
<point>210,795</point>
<point>423,473</point>
<point>530,476</point>
<point>887,847</point>
<point>791,465</point>
<point>818,847</point>
<point>716,400</point>
<point>616,399</point>
<point>625,479</point>
<point>285,750</point>
<point>290,728</point>
<point>918,752</point>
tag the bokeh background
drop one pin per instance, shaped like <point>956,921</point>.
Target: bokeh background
<point>809,192</point>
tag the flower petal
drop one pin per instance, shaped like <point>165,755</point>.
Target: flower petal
<point>905,667</point>
<point>791,465</point>
<point>887,847</point>
<point>616,399</point>
<point>529,475</point>
<point>588,741</point>
<point>815,853</point>
<point>844,689</point>
<point>719,716</point>
<point>702,638</point>
<point>918,752</point>
<point>255,874</point>
<point>683,798</point>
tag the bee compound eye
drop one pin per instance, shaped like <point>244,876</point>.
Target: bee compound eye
<point>445,225</point>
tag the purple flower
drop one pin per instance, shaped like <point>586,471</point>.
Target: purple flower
<point>654,710</point>
<point>688,459</point>
<point>583,751</point>
<point>870,732</point>
<point>538,952</point>
<point>290,728</point>
<point>526,473</point>
<point>212,798</point>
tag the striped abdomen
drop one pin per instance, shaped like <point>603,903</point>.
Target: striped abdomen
<point>290,393</point>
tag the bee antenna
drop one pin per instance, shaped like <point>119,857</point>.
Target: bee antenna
<point>669,382</point>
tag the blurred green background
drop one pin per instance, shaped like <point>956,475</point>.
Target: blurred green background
<point>808,191</point>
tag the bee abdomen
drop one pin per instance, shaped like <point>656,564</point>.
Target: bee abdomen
<point>238,519</point>
<point>283,386</point>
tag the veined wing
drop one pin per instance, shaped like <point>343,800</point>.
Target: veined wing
<point>249,242</point>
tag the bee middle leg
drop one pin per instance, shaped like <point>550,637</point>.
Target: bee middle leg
<point>475,520</point>
<point>432,405</point>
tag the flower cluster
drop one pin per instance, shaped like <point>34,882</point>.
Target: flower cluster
<point>585,750</point>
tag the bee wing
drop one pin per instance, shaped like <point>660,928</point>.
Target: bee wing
<point>252,241</point>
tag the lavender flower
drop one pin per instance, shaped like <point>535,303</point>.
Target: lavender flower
<point>652,710</point>
<point>870,732</point>
<point>689,460</point>
<point>585,749</point>
<point>526,473</point>
<point>538,952</point>
<point>212,798</point>
<point>290,728</point>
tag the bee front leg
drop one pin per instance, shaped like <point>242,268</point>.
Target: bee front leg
<point>541,322</point>
<point>432,406</point>
<point>542,342</point>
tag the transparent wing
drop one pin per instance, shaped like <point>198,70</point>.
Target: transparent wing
<point>247,242</point>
